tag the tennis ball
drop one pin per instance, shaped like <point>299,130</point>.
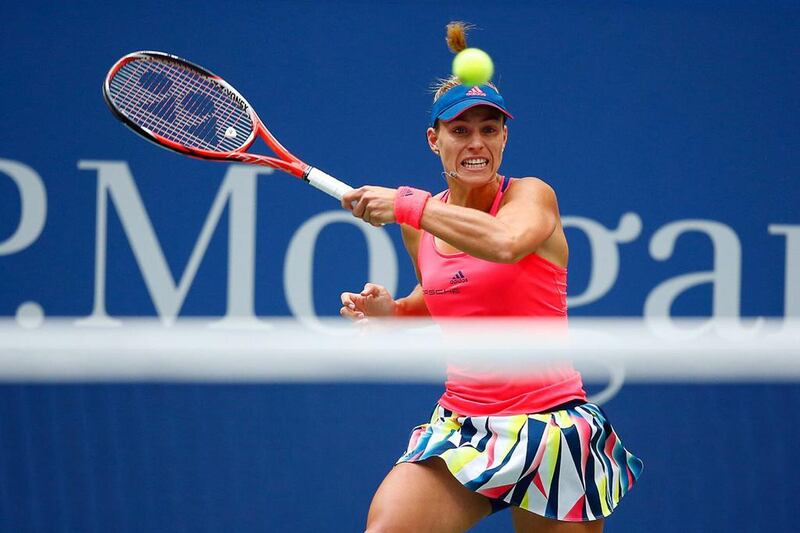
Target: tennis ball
<point>473,66</point>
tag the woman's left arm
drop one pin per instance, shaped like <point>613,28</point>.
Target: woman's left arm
<point>527,218</point>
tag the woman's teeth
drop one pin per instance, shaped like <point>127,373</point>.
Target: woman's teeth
<point>475,163</point>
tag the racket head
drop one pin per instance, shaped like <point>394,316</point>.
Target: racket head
<point>181,106</point>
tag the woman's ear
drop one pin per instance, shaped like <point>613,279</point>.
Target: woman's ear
<point>433,140</point>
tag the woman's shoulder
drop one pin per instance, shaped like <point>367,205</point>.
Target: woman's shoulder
<point>529,181</point>
<point>530,185</point>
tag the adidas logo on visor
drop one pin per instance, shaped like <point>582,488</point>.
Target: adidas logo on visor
<point>476,91</point>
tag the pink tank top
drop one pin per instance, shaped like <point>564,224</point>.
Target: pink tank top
<point>459,285</point>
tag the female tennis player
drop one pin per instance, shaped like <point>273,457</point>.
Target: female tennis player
<point>489,246</point>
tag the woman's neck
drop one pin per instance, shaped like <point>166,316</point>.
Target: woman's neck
<point>477,197</point>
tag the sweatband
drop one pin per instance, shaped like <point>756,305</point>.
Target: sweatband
<point>409,204</point>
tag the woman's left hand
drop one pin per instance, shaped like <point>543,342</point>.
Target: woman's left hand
<point>371,204</point>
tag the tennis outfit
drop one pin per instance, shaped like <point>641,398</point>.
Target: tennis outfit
<point>533,442</point>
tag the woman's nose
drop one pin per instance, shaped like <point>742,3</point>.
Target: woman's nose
<point>475,141</point>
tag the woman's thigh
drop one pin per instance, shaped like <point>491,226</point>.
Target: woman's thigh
<point>424,497</point>
<point>527,522</point>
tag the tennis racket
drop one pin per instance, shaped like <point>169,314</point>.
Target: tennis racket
<point>187,109</point>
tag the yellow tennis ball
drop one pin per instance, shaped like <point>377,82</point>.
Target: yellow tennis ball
<point>473,66</point>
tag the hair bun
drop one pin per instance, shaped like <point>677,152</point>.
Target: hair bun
<point>457,36</point>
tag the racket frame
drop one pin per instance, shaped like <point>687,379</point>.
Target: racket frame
<point>286,162</point>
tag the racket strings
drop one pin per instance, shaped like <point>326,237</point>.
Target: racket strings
<point>135,99</point>
<point>167,108</point>
<point>147,106</point>
<point>180,105</point>
<point>187,122</point>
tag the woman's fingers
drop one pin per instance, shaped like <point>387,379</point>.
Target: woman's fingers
<point>371,289</point>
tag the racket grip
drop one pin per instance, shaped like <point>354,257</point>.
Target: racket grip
<point>326,183</point>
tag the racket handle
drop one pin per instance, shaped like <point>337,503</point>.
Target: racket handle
<point>326,183</point>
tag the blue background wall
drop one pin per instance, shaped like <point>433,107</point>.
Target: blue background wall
<point>672,111</point>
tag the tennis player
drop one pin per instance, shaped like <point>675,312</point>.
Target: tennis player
<point>489,246</point>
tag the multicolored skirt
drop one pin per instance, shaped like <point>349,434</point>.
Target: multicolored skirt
<point>567,464</point>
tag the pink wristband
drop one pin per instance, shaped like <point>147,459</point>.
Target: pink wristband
<point>409,204</point>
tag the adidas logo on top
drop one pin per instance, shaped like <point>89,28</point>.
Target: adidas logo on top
<point>458,277</point>
<point>476,91</point>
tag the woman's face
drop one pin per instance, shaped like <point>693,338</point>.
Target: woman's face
<point>471,145</point>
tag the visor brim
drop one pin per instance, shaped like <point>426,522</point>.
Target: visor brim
<point>457,109</point>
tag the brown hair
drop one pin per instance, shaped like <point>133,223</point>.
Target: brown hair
<point>457,35</point>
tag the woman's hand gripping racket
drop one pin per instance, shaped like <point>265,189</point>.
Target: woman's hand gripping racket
<point>184,107</point>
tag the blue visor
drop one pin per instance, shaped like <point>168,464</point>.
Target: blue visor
<point>463,97</point>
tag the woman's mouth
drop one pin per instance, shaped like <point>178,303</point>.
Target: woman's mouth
<point>475,163</point>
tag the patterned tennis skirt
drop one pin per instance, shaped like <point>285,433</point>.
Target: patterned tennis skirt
<point>567,465</point>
